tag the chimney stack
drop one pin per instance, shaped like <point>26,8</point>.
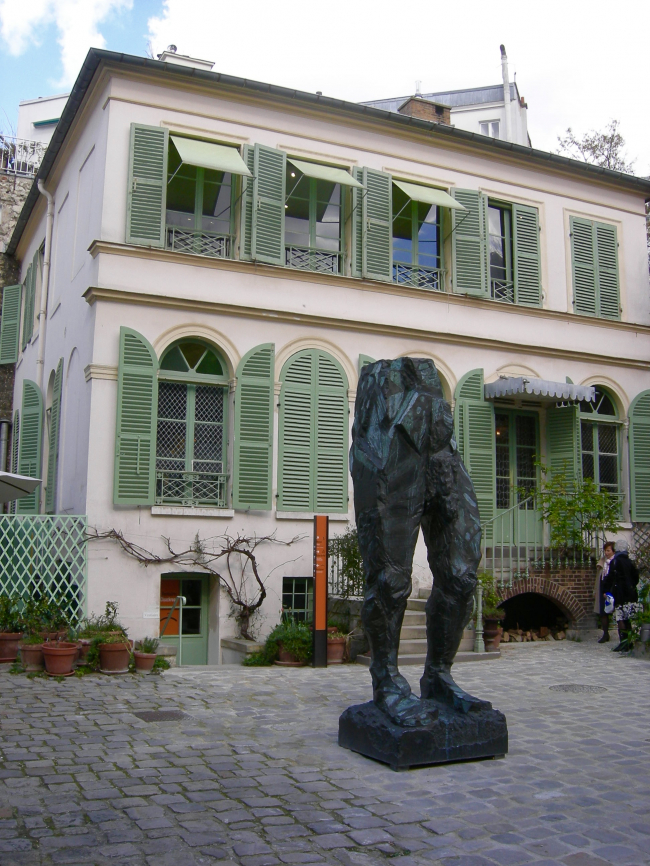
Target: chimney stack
<point>425,109</point>
<point>506,92</point>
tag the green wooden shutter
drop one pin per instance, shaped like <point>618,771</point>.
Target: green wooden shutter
<point>562,443</point>
<point>135,435</point>
<point>527,260</point>
<point>607,271</point>
<point>476,440</point>
<point>583,266</point>
<point>28,306</point>
<point>15,438</point>
<point>470,254</point>
<point>30,446</point>
<point>296,446</point>
<point>147,190</point>
<point>254,429</point>
<point>269,188</point>
<point>10,328</point>
<point>357,224</point>
<point>639,439</point>
<point>332,413</point>
<point>364,360</point>
<point>246,206</point>
<point>377,212</point>
<point>53,450</point>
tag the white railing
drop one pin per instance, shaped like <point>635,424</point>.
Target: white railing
<point>191,489</point>
<point>342,584</point>
<point>502,290</point>
<point>19,156</point>
<point>419,276</point>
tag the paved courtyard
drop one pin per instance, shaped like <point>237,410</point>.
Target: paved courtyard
<point>253,775</point>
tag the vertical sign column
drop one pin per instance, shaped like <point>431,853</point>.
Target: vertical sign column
<point>321,538</point>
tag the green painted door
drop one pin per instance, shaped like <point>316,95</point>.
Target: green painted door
<point>194,626</point>
<point>517,452</point>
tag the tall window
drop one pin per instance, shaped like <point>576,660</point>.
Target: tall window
<point>312,222</point>
<point>599,442</point>
<point>191,430</point>
<point>199,215</point>
<point>500,232</point>
<point>416,242</point>
<point>490,128</point>
<point>516,455</point>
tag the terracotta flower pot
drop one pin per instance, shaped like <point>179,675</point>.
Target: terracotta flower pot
<point>144,661</point>
<point>490,634</point>
<point>84,645</point>
<point>114,657</point>
<point>9,646</point>
<point>287,659</point>
<point>335,650</point>
<point>59,657</point>
<point>31,656</point>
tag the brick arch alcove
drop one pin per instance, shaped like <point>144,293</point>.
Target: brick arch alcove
<point>571,600</point>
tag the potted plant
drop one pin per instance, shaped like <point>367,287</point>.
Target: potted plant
<point>109,648</point>
<point>336,642</point>
<point>492,613</point>
<point>11,627</point>
<point>145,655</point>
<point>59,657</point>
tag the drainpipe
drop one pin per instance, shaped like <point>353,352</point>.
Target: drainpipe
<point>42,311</point>
<point>506,92</point>
<point>4,442</point>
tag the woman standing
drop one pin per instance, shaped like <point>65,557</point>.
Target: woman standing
<point>599,602</point>
<point>621,582</point>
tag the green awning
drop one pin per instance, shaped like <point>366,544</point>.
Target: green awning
<point>325,172</point>
<point>206,154</point>
<point>428,195</point>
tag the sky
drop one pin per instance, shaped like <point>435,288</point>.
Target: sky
<point>578,63</point>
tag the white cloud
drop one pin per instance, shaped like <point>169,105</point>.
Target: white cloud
<point>77,23</point>
<point>577,65</point>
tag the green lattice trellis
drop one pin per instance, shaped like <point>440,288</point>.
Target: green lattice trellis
<point>641,547</point>
<point>45,554</point>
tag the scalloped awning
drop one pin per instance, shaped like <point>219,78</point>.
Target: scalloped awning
<point>539,389</point>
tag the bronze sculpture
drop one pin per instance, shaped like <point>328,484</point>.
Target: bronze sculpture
<point>408,475</point>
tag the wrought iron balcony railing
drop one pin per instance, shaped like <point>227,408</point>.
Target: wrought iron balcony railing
<point>502,290</point>
<point>198,242</point>
<point>191,489</point>
<point>20,156</point>
<point>312,259</point>
<point>419,276</point>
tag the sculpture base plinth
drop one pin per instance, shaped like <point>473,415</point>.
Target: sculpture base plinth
<point>453,736</point>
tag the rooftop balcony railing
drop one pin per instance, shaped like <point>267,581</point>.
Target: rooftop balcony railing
<point>19,156</point>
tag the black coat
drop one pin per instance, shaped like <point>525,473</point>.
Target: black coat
<point>622,579</point>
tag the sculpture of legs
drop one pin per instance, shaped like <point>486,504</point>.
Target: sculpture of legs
<point>452,533</point>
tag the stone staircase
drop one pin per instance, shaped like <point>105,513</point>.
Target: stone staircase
<point>413,637</point>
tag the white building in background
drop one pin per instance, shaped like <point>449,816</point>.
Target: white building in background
<point>37,118</point>
<point>497,110</point>
<point>218,258</point>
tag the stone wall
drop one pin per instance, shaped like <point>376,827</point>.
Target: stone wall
<point>572,590</point>
<point>13,191</point>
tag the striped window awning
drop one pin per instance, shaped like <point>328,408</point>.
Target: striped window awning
<point>538,389</point>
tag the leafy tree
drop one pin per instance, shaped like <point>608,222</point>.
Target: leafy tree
<point>604,148</point>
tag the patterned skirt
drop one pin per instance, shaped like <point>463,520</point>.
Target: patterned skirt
<point>627,611</point>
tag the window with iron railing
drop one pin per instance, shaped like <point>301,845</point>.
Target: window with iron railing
<point>312,220</point>
<point>599,434</point>
<point>416,243</point>
<point>191,430</point>
<point>502,286</point>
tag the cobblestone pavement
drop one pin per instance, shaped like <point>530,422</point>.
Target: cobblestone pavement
<point>253,776</point>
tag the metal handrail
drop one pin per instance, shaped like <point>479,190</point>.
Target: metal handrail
<point>21,156</point>
<point>190,488</point>
<point>419,276</point>
<point>181,601</point>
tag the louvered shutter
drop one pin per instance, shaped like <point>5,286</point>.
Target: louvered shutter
<point>377,211</point>
<point>53,449</point>
<point>147,190</point>
<point>639,439</point>
<point>135,436</point>
<point>470,253</point>
<point>254,429</point>
<point>583,266</point>
<point>357,224</point>
<point>28,308</point>
<point>269,187</point>
<point>474,418</point>
<point>10,328</point>
<point>246,207</point>
<point>30,446</point>
<point>15,438</point>
<point>527,261</point>
<point>607,271</point>
<point>296,447</point>
<point>331,436</point>
<point>562,441</point>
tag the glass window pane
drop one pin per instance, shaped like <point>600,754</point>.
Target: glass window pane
<point>192,621</point>
<point>608,470</point>
<point>174,360</point>
<point>297,209</point>
<point>191,589</point>
<point>587,465</point>
<point>607,439</point>
<point>216,202</point>
<point>181,192</point>
<point>193,353</point>
<point>495,129</point>
<point>210,365</point>
<point>587,436</point>
<point>502,430</point>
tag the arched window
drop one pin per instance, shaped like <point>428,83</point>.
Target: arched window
<point>312,460</point>
<point>191,438</point>
<point>599,444</point>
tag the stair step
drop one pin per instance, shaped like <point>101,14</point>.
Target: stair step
<point>416,604</point>
<point>413,632</point>
<point>424,592</point>
<point>419,659</point>
<point>414,617</point>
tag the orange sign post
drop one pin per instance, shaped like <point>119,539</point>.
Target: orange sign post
<point>321,538</point>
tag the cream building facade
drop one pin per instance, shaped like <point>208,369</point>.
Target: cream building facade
<point>211,262</point>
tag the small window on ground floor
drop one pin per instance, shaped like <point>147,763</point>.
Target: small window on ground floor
<point>599,442</point>
<point>298,598</point>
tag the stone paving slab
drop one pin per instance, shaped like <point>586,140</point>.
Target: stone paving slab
<point>253,776</point>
